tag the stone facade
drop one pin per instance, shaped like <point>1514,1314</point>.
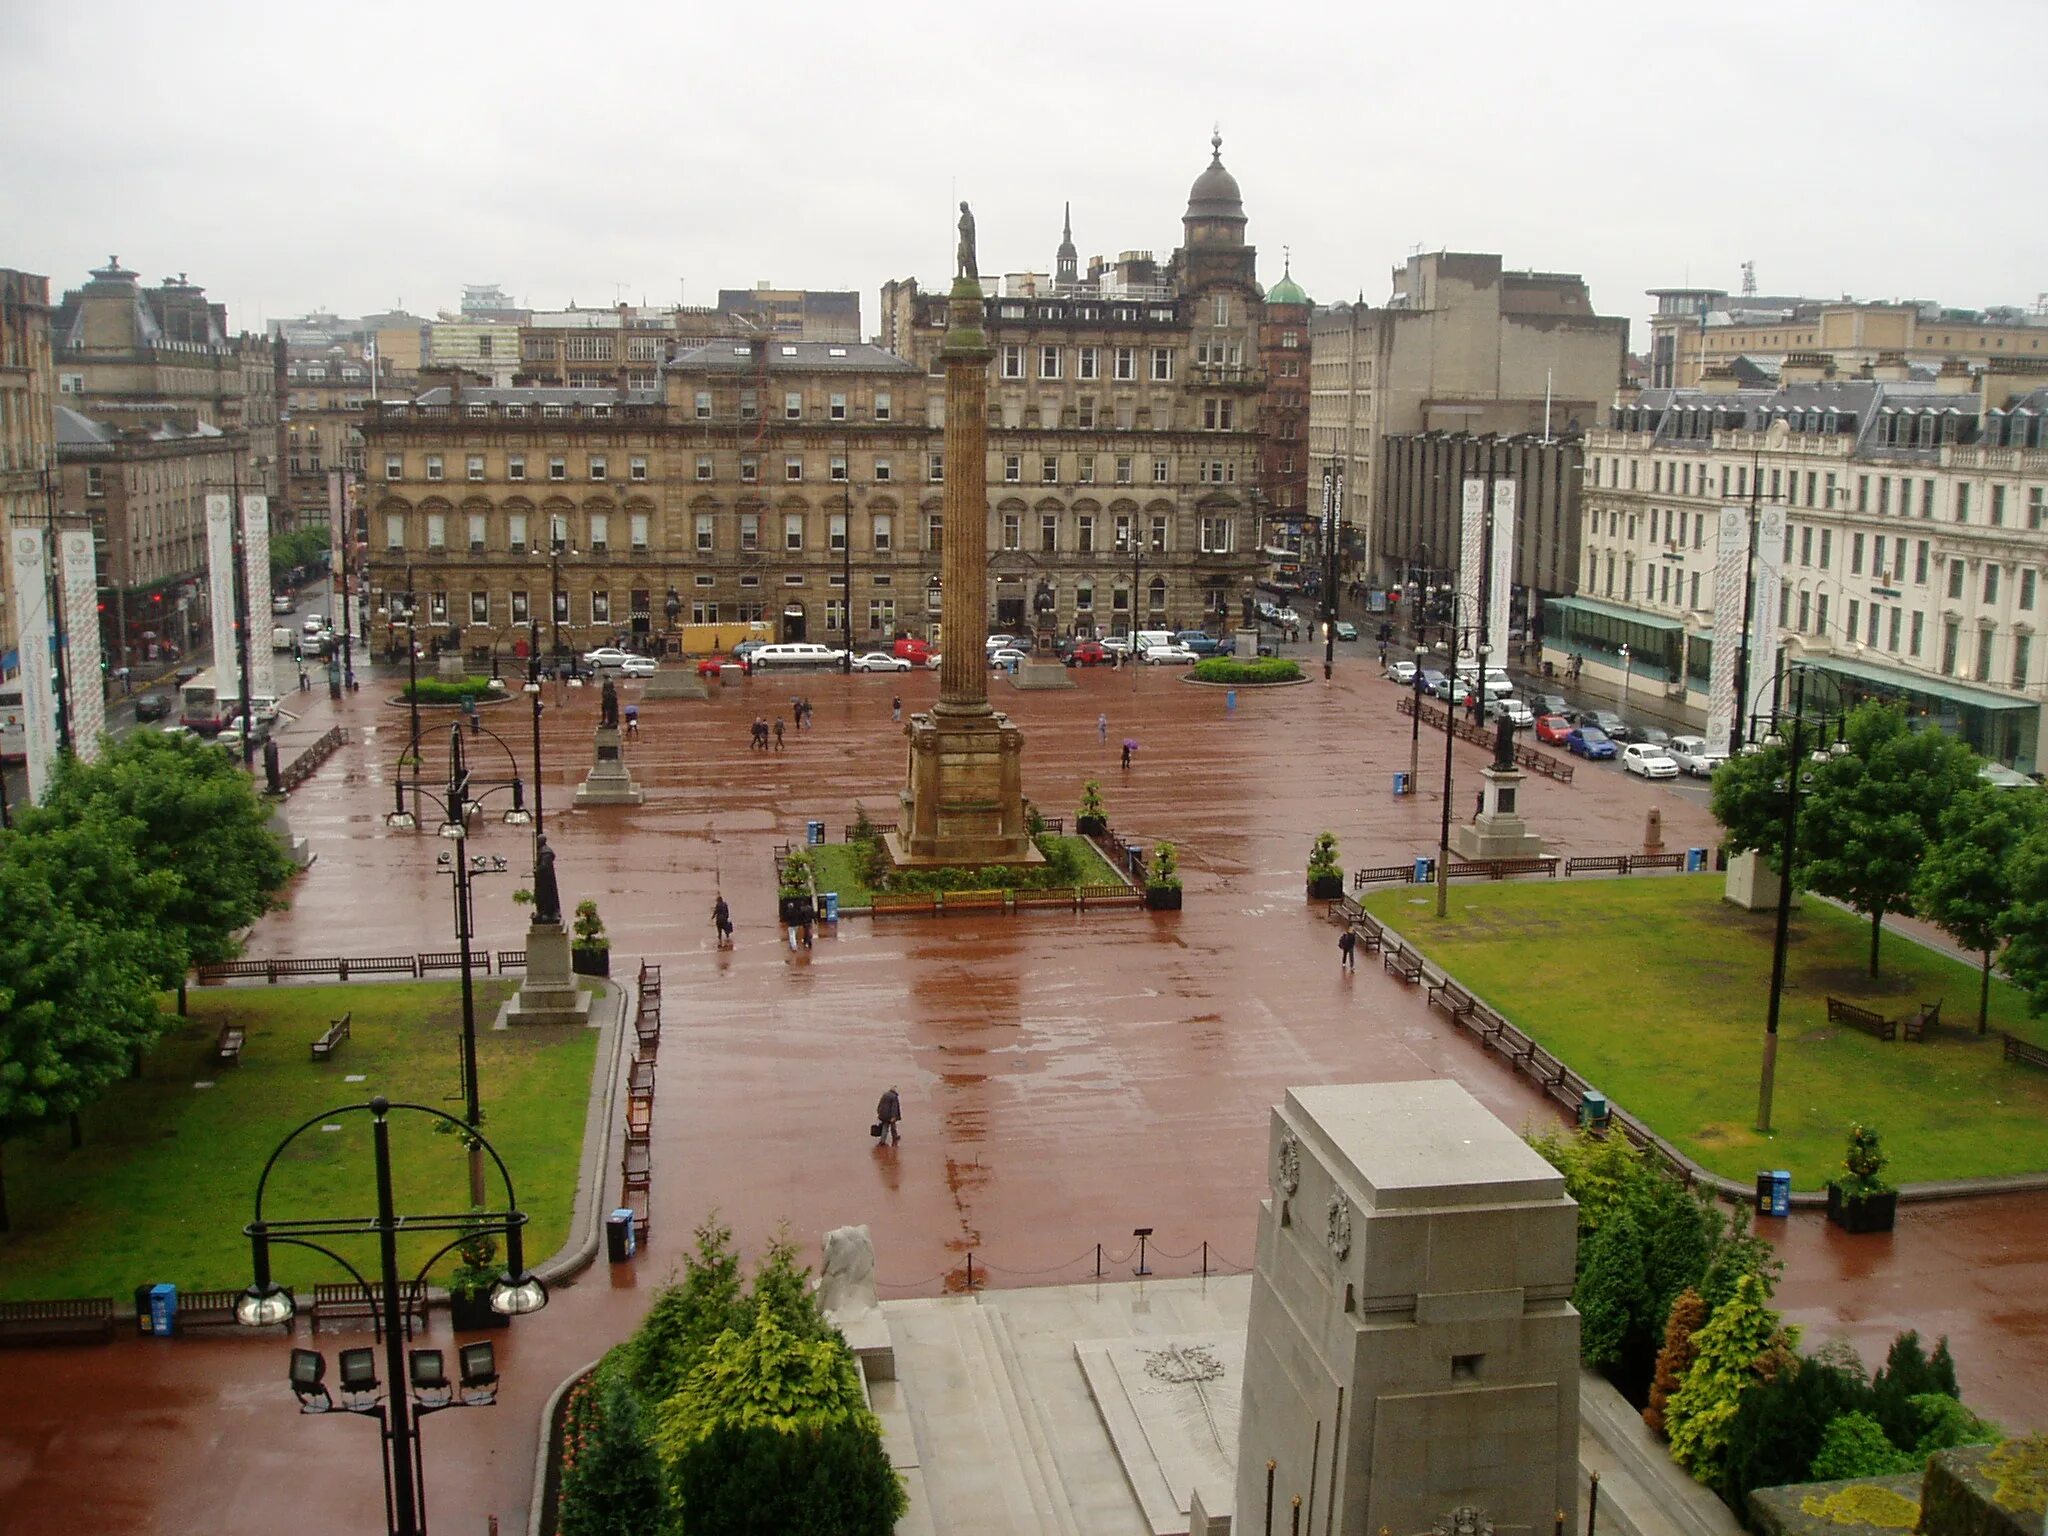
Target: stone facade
<point>27,449</point>
<point>1283,450</point>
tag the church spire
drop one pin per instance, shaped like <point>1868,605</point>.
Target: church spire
<point>1066,264</point>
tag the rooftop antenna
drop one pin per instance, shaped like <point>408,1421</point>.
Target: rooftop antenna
<point>1749,279</point>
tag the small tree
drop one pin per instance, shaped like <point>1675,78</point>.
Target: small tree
<point>1092,816</point>
<point>614,1486</point>
<point>1863,1170</point>
<point>1778,1424</point>
<point>1164,871</point>
<point>1966,880</point>
<point>590,934</point>
<point>1748,800</point>
<point>1910,1372</point>
<point>1688,1313</point>
<point>1322,858</point>
<point>1854,1445</point>
<point>687,1314</point>
<point>2024,926</point>
<point>1739,1347</point>
<point>796,874</point>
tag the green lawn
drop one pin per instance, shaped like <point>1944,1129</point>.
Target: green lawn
<point>835,869</point>
<point>1656,990</point>
<point>167,1176</point>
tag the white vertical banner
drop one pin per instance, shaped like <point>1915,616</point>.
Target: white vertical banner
<point>1471,553</point>
<point>256,581</point>
<point>1731,562</point>
<point>220,581</point>
<point>1763,640</point>
<point>78,568</point>
<point>1501,569</point>
<point>32,636</point>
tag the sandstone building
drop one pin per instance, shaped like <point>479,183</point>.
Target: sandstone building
<point>27,396</point>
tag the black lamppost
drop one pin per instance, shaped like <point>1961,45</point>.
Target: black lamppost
<point>1333,512</point>
<point>1456,637</point>
<point>532,690</point>
<point>1415,734</point>
<point>515,1292</point>
<point>846,565</point>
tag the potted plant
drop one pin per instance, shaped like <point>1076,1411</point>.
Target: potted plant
<point>1325,875</point>
<point>469,1288</point>
<point>1093,818</point>
<point>1162,880</point>
<point>591,953</point>
<point>1859,1200</point>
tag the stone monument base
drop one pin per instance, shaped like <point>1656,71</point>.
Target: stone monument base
<point>608,782</point>
<point>675,680</point>
<point>1042,672</point>
<point>1499,831</point>
<point>964,802</point>
<point>549,993</point>
<point>1752,883</point>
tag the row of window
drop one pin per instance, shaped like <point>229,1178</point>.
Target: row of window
<point>1052,533</point>
<point>837,407</point>
<point>596,466</point>
<point>881,470</point>
<point>1123,361</point>
<point>1883,495</point>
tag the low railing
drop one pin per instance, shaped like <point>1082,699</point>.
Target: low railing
<point>307,763</point>
<point>1549,766</point>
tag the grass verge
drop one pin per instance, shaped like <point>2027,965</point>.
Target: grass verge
<point>836,868</point>
<point>1656,990</point>
<point>167,1175</point>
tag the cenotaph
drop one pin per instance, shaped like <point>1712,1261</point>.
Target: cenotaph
<point>609,782</point>
<point>1412,1349</point>
<point>963,799</point>
<point>1498,832</point>
<point>548,993</point>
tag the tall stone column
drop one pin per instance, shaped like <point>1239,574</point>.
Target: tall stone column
<point>963,667</point>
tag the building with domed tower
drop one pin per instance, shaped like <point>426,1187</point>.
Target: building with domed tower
<point>1283,451</point>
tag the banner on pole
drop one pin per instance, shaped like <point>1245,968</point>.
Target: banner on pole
<point>1471,554</point>
<point>220,582</point>
<point>1501,570</point>
<point>32,637</point>
<point>256,582</point>
<point>1731,558</point>
<point>85,692</point>
<point>1763,641</point>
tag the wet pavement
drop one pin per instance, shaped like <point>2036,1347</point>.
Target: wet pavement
<point>1064,1079</point>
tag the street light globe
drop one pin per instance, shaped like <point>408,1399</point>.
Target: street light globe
<point>264,1306</point>
<point>516,1296</point>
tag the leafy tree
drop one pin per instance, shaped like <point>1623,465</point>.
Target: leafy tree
<point>1742,1345</point>
<point>1677,1355</point>
<point>1322,857</point>
<point>1779,1425</point>
<point>1944,1422</point>
<point>1910,1372</point>
<point>1965,882</point>
<point>687,1316</point>
<point>1750,804</point>
<point>1854,1445</point>
<point>614,1487</point>
<point>295,550</point>
<point>2024,927</point>
<point>1876,810</point>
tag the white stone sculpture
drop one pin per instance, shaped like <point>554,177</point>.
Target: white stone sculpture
<point>846,1287</point>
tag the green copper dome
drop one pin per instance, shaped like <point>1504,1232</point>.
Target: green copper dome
<point>1286,291</point>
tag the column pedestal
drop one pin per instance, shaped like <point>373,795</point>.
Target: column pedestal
<point>1500,832</point>
<point>549,994</point>
<point>608,782</point>
<point>963,800</point>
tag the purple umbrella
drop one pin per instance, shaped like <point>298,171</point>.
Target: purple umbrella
<point>1130,743</point>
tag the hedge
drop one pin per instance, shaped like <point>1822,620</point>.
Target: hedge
<point>1223,669</point>
<point>436,690</point>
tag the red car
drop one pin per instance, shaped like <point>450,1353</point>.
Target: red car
<point>709,666</point>
<point>913,650</point>
<point>1553,729</point>
<point>1088,653</point>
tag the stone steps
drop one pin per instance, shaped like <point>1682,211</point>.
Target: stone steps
<point>1037,1440</point>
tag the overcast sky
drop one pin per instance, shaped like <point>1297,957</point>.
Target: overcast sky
<point>368,155</point>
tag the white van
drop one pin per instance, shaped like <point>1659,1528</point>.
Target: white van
<point>1147,638</point>
<point>282,638</point>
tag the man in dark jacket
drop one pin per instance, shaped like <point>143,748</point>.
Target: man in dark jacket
<point>888,1112</point>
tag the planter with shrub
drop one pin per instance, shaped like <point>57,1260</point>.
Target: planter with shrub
<point>469,1288</point>
<point>1325,875</point>
<point>591,952</point>
<point>1162,881</point>
<point>1860,1200</point>
<point>1092,820</point>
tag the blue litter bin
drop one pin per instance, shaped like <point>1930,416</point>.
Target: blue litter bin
<point>814,833</point>
<point>1781,1192</point>
<point>1425,871</point>
<point>1134,857</point>
<point>1593,1110</point>
<point>1695,860</point>
<point>831,906</point>
<point>163,1310</point>
<point>1400,783</point>
<point>1230,699</point>
<point>619,1237</point>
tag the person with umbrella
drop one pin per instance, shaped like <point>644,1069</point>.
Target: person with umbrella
<point>1130,746</point>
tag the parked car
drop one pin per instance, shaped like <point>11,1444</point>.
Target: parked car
<point>1007,656</point>
<point>996,643</point>
<point>1497,683</point>
<point>1518,714</point>
<point>912,650</point>
<point>1435,684</point>
<point>1201,642</point>
<point>1117,645</point>
<point>1651,762</point>
<point>637,666</point>
<point>1088,653</point>
<point>282,603</point>
<point>744,651</point>
<point>1168,655</point>
<point>1589,741</point>
<point>605,656</point>
<point>710,665</point>
<point>1553,730</point>
<point>152,706</point>
<point>1550,704</point>
<point>1694,756</point>
<point>1606,722</point>
<point>881,661</point>
<point>282,638</point>
<point>1402,672</point>
<point>796,653</point>
<point>931,662</point>
<point>1346,630</point>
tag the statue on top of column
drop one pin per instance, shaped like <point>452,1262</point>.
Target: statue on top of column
<point>966,261</point>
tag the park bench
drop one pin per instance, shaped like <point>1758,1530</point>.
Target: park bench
<point>451,960</point>
<point>230,970</point>
<point>1371,934</point>
<point>2018,1050</point>
<point>1605,863</point>
<point>972,901</point>
<point>310,966</point>
<point>640,1078</point>
<point>1473,869</point>
<point>1453,999</point>
<point>1544,864</point>
<point>1110,896</point>
<point>1542,762</point>
<point>648,1027</point>
<point>1404,963</point>
<point>211,1309</point>
<point>380,965</point>
<point>72,1320</point>
<point>1487,1024</point>
<point>1916,1024</point>
<point>902,903</point>
<point>1876,1025</point>
<point>636,1170</point>
<point>1382,874</point>
<point>510,960</point>
<point>348,1302</point>
<point>1345,909</point>
<point>639,1119</point>
<point>1656,861</point>
<point>650,981</point>
<point>227,1045</point>
<point>336,1032</point>
<point>1043,899</point>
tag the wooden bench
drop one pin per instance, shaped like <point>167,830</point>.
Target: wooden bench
<point>640,1078</point>
<point>1345,909</point>
<point>1371,934</point>
<point>380,965</point>
<point>336,1033</point>
<point>2020,1051</point>
<point>1606,863</point>
<point>1045,900</point>
<point>1916,1024</point>
<point>1876,1025</point>
<point>1382,874</point>
<point>636,1169</point>
<point>1656,861</point>
<point>230,970</point>
<point>902,904</point>
<point>510,960</point>
<point>639,1119</point>
<point>972,901</point>
<point>649,980</point>
<point>227,1045</point>
<point>1453,999</point>
<point>212,1309</point>
<point>349,1302</point>
<point>1404,963</point>
<point>72,1320</point>
<point>648,1028</point>
<point>451,960</point>
<point>1542,864</point>
<point>307,967</point>
<point>1110,896</point>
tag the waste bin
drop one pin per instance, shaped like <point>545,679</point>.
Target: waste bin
<point>1593,1111</point>
<point>142,1308</point>
<point>814,833</point>
<point>1230,699</point>
<point>1135,857</point>
<point>163,1310</point>
<point>831,906</point>
<point>1781,1192</point>
<point>1400,783</point>
<point>1425,871</point>
<point>618,1235</point>
<point>1695,860</point>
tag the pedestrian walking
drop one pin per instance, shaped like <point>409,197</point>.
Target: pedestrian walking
<point>1102,729</point>
<point>1478,804</point>
<point>721,923</point>
<point>1129,747</point>
<point>896,709</point>
<point>632,720</point>
<point>303,680</point>
<point>1347,949</point>
<point>888,1114</point>
<point>778,733</point>
<point>1383,658</point>
<point>760,742</point>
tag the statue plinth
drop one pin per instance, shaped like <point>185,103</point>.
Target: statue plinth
<point>608,782</point>
<point>1499,832</point>
<point>549,993</point>
<point>964,799</point>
